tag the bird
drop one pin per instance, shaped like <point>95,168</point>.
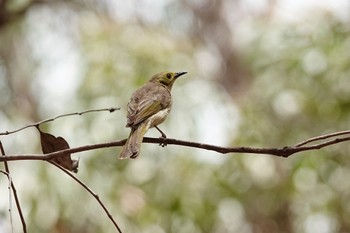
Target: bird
<point>148,107</point>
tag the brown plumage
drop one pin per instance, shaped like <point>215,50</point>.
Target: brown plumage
<point>148,107</point>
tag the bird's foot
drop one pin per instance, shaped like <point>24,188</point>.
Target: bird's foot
<point>163,143</point>
<point>163,137</point>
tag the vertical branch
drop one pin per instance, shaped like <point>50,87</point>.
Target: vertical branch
<point>24,226</point>
<point>10,197</point>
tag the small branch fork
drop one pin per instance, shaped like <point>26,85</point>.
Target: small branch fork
<point>328,140</point>
<point>12,187</point>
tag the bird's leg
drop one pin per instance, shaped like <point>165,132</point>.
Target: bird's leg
<point>161,132</point>
<point>163,136</point>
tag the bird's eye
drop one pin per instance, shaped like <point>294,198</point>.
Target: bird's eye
<point>168,75</point>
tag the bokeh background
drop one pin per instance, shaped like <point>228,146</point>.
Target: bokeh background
<point>265,73</point>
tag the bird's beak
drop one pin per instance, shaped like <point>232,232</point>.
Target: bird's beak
<point>178,74</point>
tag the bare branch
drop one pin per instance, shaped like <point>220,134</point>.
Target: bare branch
<point>322,137</point>
<point>10,197</point>
<point>112,109</point>
<point>24,226</point>
<point>91,192</point>
<point>281,152</point>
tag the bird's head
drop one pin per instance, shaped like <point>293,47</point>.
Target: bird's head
<point>166,78</point>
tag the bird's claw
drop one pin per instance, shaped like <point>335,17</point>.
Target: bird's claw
<point>163,143</point>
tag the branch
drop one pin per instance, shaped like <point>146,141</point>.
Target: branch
<point>10,198</point>
<point>322,137</point>
<point>280,152</point>
<point>91,192</point>
<point>59,116</point>
<point>7,169</point>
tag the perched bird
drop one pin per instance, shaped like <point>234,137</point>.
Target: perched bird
<point>148,107</point>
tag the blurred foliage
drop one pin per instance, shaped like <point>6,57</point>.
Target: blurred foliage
<point>253,81</point>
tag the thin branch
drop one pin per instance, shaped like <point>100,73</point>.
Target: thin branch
<point>112,109</point>
<point>91,192</point>
<point>24,226</point>
<point>331,135</point>
<point>10,197</point>
<point>281,152</point>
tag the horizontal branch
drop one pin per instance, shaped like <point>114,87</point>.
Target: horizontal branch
<point>326,136</point>
<point>281,152</point>
<point>59,116</point>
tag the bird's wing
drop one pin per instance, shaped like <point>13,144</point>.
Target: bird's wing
<point>139,111</point>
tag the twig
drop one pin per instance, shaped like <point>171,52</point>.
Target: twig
<point>7,169</point>
<point>10,197</point>
<point>281,152</point>
<point>91,192</point>
<point>322,137</point>
<point>59,116</point>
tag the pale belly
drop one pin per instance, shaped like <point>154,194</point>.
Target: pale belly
<point>158,118</point>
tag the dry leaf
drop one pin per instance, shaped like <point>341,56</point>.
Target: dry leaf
<point>50,143</point>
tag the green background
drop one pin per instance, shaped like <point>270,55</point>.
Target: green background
<point>258,75</point>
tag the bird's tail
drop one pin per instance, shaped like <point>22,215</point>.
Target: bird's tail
<point>132,147</point>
